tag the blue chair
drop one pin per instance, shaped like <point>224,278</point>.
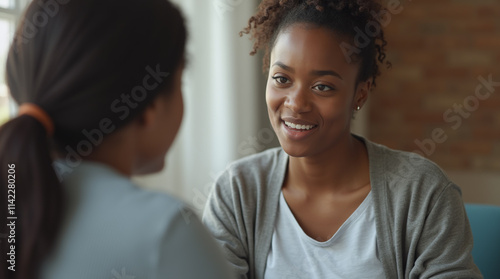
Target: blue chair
<point>485,224</point>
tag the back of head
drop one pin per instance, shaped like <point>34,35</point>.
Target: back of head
<point>89,54</point>
<point>85,63</point>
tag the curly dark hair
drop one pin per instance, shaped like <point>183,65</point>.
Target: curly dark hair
<point>346,18</point>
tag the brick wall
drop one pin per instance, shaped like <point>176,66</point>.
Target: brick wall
<point>435,99</point>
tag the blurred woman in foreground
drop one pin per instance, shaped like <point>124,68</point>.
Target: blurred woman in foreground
<point>99,88</point>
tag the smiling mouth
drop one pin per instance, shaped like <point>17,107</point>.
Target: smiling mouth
<point>299,126</point>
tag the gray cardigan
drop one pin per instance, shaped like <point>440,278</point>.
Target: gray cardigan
<point>422,227</point>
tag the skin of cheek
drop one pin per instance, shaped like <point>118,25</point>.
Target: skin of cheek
<point>333,116</point>
<point>171,115</point>
<point>166,119</point>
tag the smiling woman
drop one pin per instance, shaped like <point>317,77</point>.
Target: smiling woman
<point>330,204</point>
<point>311,85</point>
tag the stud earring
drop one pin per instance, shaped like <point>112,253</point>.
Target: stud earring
<point>358,108</point>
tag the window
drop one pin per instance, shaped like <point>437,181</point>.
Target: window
<point>10,10</point>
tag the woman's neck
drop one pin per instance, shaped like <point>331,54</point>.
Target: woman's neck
<point>116,150</point>
<point>343,168</point>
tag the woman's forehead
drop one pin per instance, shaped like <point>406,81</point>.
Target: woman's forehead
<point>309,47</point>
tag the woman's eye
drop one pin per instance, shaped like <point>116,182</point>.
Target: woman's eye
<point>322,87</point>
<point>280,79</point>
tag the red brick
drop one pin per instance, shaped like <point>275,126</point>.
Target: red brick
<point>438,51</point>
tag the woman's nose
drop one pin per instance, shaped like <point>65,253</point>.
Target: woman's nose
<point>298,100</point>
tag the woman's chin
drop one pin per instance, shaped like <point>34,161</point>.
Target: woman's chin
<point>296,151</point>
<point>151,168</point>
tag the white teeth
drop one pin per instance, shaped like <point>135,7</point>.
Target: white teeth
<point>298,126</point>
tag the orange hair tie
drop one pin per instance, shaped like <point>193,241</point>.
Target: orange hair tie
<point>39,114</point>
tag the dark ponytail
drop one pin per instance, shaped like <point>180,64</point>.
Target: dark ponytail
<point>35,197</point>
<point>76,60</point>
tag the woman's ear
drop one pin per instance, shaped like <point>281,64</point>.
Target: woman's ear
<point>148,116</point>
<point>362,91</point>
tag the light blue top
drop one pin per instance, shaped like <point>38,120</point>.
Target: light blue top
<point>114,230</point>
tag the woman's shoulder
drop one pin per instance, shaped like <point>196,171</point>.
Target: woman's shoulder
<point>403,167</point>
<point>120,223</point>
<point>257,173</point>
<point>261,165</point>
<point>97,183</point>
<point>261,160</point>
<point>406,178</point>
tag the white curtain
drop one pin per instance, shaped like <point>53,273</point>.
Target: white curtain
<point>223,88</point>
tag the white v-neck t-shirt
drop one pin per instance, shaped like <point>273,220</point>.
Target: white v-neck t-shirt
<point>350,253</point>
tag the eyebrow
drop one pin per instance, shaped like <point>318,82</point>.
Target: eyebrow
<point>313,72</point>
